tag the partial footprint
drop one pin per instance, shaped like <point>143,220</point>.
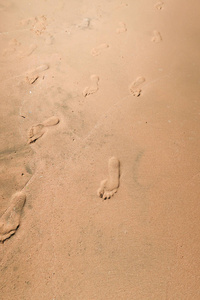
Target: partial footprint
<point>41,68</point>
<point>13,47</point>
<point>26,22</point>
<point>38,130</point>
<point>28,51</point>
<point>121,28</point>
<point>156,37</point>
<point>5,5</point>
<point>93,88</point>
<point>14,43</point>
<point>84,24</point>
<point>34,74</point>
<point>135,86</point>
<point>10,220</point>
<point>39,25</point>
<point>121,5</point>
<point>49,39</point>
<point>109,186</point>
<point>159,5</point>
<point>97,50</point>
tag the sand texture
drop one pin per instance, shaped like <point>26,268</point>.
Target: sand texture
<point>99,150</point>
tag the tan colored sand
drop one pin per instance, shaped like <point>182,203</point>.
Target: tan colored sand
<point>81,62</point>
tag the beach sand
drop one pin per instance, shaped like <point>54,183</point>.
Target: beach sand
<point>99,132</point>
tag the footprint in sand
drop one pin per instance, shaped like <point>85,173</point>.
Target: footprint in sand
<point>39,25</point>
<point>121,28</point>
<point>10,220</point>
<point>93,88</point>
<point>13,47</point>
<point>5,5</point>
<point>85,24</point>
<point>159,5</point>
<point>109,186</point>
<point>34,74</point>
<point>135,86</point>
<point>38,130</point>
<point>29,51</point>
<point>156,37</point>
<point>97,50</point>
<point>26,22</point>
<point>49,39</point>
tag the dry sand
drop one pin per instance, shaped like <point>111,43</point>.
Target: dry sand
<point>99,100</point>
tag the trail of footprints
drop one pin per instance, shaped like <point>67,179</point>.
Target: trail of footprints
<point>157,37</point>
<point>10,220</point>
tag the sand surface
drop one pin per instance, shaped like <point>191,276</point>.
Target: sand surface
<point>99,99</point>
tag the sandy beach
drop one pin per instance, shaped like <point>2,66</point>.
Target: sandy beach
<point>99,143</point>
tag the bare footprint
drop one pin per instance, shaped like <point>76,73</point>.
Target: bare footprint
<point>26,22</point>
<point>122,5</point>
<point>10,220</point>
<point>5,5</point>
<point>39,25</point>
<point>13,47</point>
<point>109,186</point>
<point>156,37</point>
<point>41,68</point>
<point>121,28</point>
<point>84,24</point>
<point>94,86</point>
<point>34,74</point>
<point>97,50</point>
<point>30,50</point>
<point>159,5</point>
<point>49,39</point>
<point>135,86</point>
<point>38,130</point>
